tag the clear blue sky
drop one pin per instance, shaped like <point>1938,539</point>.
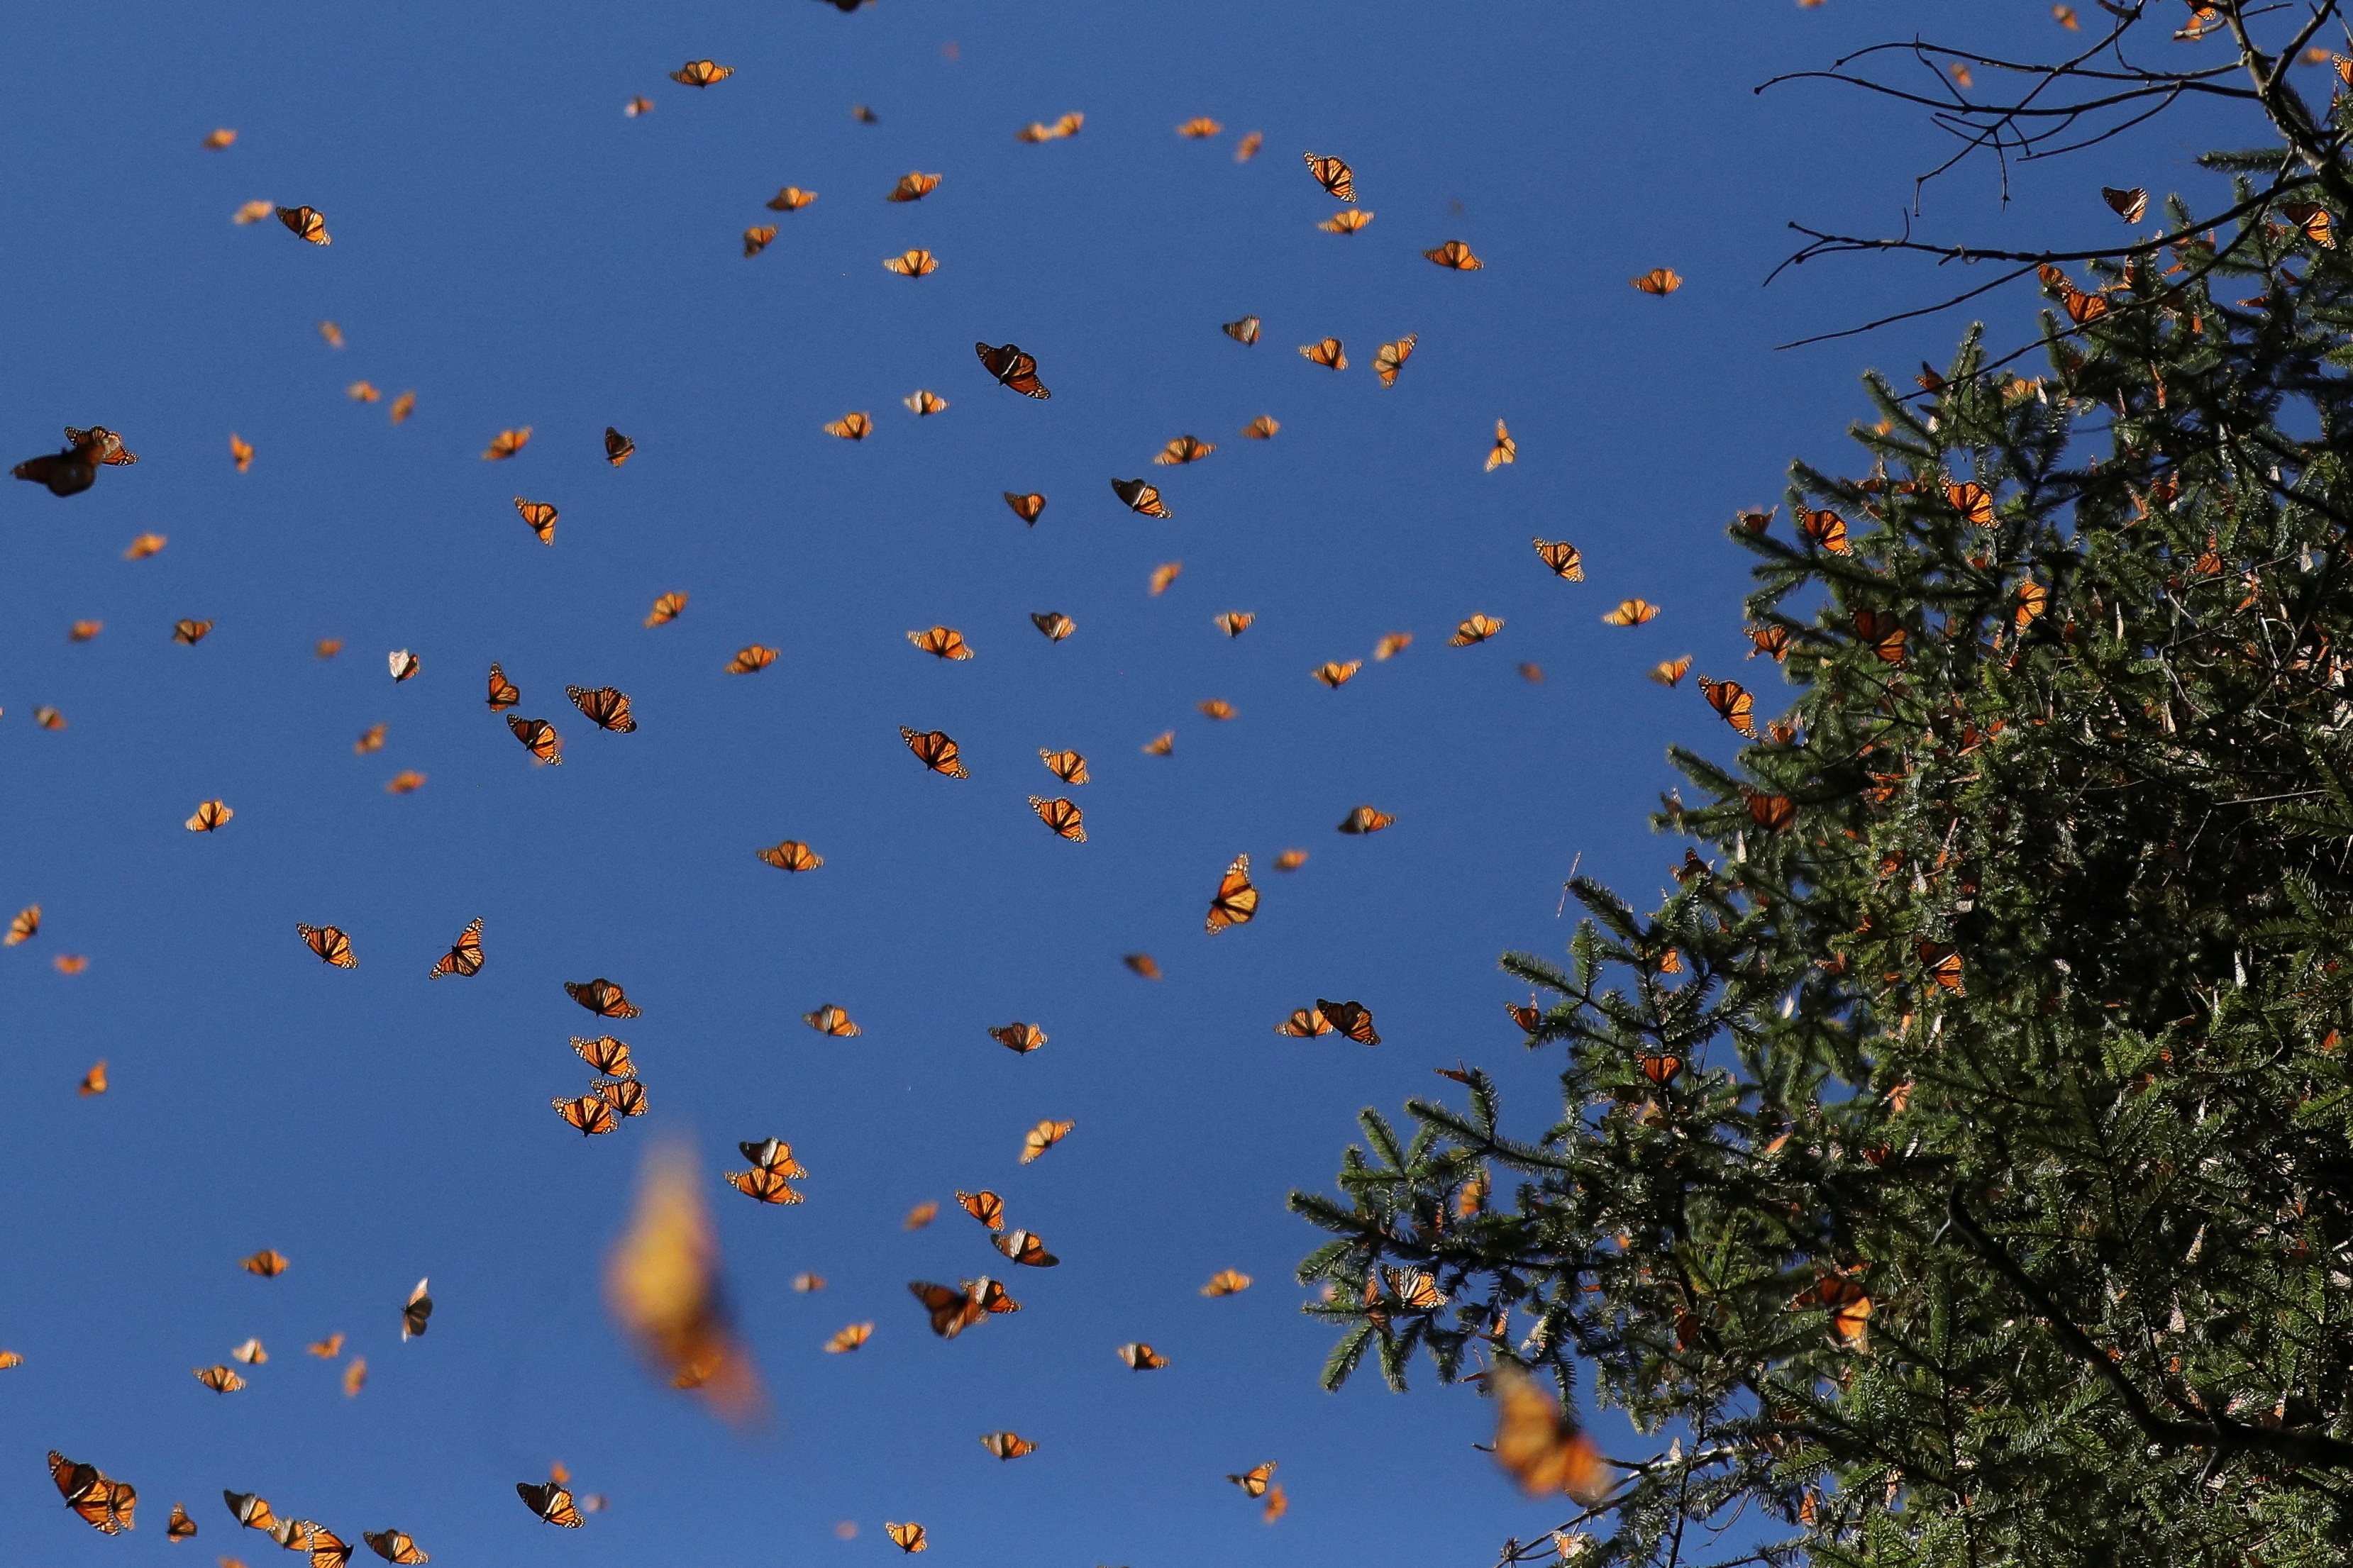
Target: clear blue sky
<point>512,247</point>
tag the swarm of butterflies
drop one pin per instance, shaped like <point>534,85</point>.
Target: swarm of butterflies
<point>664,1277</point>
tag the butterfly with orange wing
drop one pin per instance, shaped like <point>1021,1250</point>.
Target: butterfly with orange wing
<point>1012,368</point>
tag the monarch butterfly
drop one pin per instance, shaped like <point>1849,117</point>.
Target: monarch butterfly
<point>551,1502</point>
<point>83,631</point>
<point>832,1020</point>
<point>602,997</point>
<point>69,963</point>
<point>1333,174</point>
<point>772,1154</point>
<point>1943,964</point>
<point>1184,450</point>
<point>751,659</point>
<point>764,1184</point>
<point>666,609</point>
<point>464,958</point>
<point>1007,1444</point>
<point>954,1311</point>
<point>919,1217</point>
<point>913,263</point>
<point>416,1312</point>
<point>1025,507</point>
<point>1305,1024</point>
<point>1364,819</point>
<point>913,187</point>
<point>1054,624</point>
<point>605,707</point>
<point>2314,220</point>
<point>402,406</point>
<point>1540,1446</point>
<point>251,1354</point>
<point>1161,745</point>
<point>1024,1247</point>
<point>1826,528</point>
<point>1773,640</point>
<point>945,642</point>
<point>1019,1038</point>
<point>94,1082</point>
<point>1389,358</point>
<point>848,1339</point>
<point>1773,813</point>
<point>1335,675</point>
<point>2033,600</point>
<point>1142,499</point>
<point>371,740</point>
<point>506,444</point>
<point>701,73</point>
<point>539,738</point>
<point>1278,1503</point>
<point>1326,352</point>
<point>1477,629</point>
<point>1141,1357</point>
<point>141,547</point>
<point>1199,128</point>
<point>1235,901</point>
<point>1733,703</point>
<point>1883,633</point>
<point>1973,502</point>
<point>1262,428</point>
<point>1143,963</point>
<point>1012,368</point>
<point>240,451</point>
<point>791,855</point>
<point>908,1538</point>
<point>394,1545</point>
<point>306,223</point>
<point>1042,1137</point>
<point>1562,557</point>
<point>1660,281</point>
<point>540,515</point>
<point>609,1056</point>
<point>250,212</point>
<point>402,663</point>
<point>98,1499</point>
<point>191,632</point>
<point>327,648</point>
<point>330,943</point>
<point>757,238</point>
<point>209,817</point>
<point>1233,623</point>
<point>1527,1018</point>
<point>790,199</point>
<point>852,426</point>
<point>1242,332</point>
<point>75,469</point>
<point>179,1527</point>
<point>267,1264</point>
<point>1506,449</point>
<point>1227,1282</point>
<point>1062,816</point>
<point>923,403</point>
<point>1391,646</point>
<point>1351,1018</point>
<point>1162,577</point>
<point>1632,613</point>
<point>327,1348</point>
<point>935,751</point>
<point>1218,709</point>
<point>1247,148</point>
<point>1456,255</point>
<point>362,392</point>
<point>1068,766</point>
<point>1848,1303</point>
<point>1670,672</point>
<point>2127,205</point>
<point>408,781</point>
<point>983,1206</point>
<point>48,718</point>
<point>2083,309</point>
<point>1347,222</point>
<point>627,1096</point>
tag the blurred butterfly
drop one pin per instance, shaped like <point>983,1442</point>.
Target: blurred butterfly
<point>1054,624</point>
<point>306,223</point>
<point>1632,613</point>
<point>1143,963</point>
<point>1351,1018</point>
<point>48,718</point>
<point>415,1312</point>
<point>1025,507</point>
<point>2129,205</point>
<point>251,1354</point>
<point>250,212</point>
<point>402,406</point>
<point>1305,1024</point>
<point>240,451</point>
<point>213,142</point>
<point>1227,1282</point>
<point>1042,1137</point>
<point>1477,629</point>
<point>1235,901</point>
<point>354,1379</point>
<point>913,187</point>
<point>607,1056</point>
<point>1335,675</point>
<point>923,403</point>
<point>1218,709</point>
<point>1347,222</point>
<point>1162,577</point>
<point>1199,128</point>
<point>1364,819</point>
<point>465,958</point>
<point>944,642</point>
<point>757,238</point>
<point>327,1348</point>
<point>751,659</point>
<point>1542,1447</point>
<point>1025,1249</point>
<point>852,426</point>
<point>371,740</point>
<point>1506,449</point>
<point>141,547</point>
<point>99,1500</point>
<point>1390,358</point>
<point>666,609</point>
<point>1063,816</point>
<point>1456,255</point>
<point>955,1311</point>
<point>506,444</point>
<point>605,706</point>
<point>913,263</point>
<point>1562,557</point>
<point>75,469</point>
<point>1012,368</point>
<point>1247,148</point>
<point>1661,281</point>
<point>330,943</point>
<point>908,1538</point>
<point>327,648</point>
<point>209,817</point>
<point>1333,174</point>
<point>1732,702</point>
<point>1007,1444</point>
<point>1161,745</point>
<point>919,1217</point>
<point>1671,672</point>
<point>1278,1503</point>
<point>83,631</point>
<point>69,963</point>
<point>791,855</point>
<point>850,1339</point>
<point>602,997</point>
<point>1242,332</point>
<point>1391,646</point>
<point>1184,450</point>
<point>983,1206</point>
<point>701,73</point>
<point>1326,352</point>
<point>935,751</point>
<point>267,1264</point>
<point>1140,1357</point>
<point>1140,498</point>
<point>551,1502</point>
<point>863,115</point>
<point>1068,766</point>
<point>394,1545</point>
<point>1263,428</point>
<point>1253,1482</point>
<point>539,738</point>
<point>831,1020</point>
<point>791,199</point>
<point>190,632</point>
<point>220,1379</point>
<point>179,1527</point>
<point>362,392</point>
<point>1826,528</point>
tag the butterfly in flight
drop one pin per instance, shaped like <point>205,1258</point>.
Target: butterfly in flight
<point>1227,1282</point>
<point>916,263</point>
<point>1042,1137</point>
<point>618,447</point>
<point>1327,352</point>
<point>1390,358</point>
<point>1562,557</point>
<point>943,642</point>
<point>1141,1357</point>
<point>1456,256</point>
<point>1025,507</point>
<point>1660,281</point>
<point>791,855</point>
<point>1262,428</point>
<point>1012,368</point>
<point>666,609</point>
<point>791,199</point>
<point>306,223</point>
<point>209,817</point>
<point>953,1311</point>
<point>506,444</point>
<point>1055,625</point>
<point>606,708</point>
<point>330,943</point>
<point>1364,819</point>
<point>935,751</point>
<point>539,738</point>
<point>464,959</point>
<point>913,187</point>
<point>75,469</point>
<point>923,403</point>
<point>1236,901</point>
<point>540,515</point>
<point>1351,1018</point>
<point>98,1499</point>
<point>551,1502</point>
<point>1242,332</point>
<point>1333,174</point>
<point>1141,498</point>
<point>394,1545</point>
<point>1347,222</point>
<point>1068,766</point>
<point>1541,1446</point>
<point>851,426</point>
<point>1007,1444</point>
<point>983,1206</point>
<point>701,73</point>
<point>602,997</point>
<point>1184,450</point>
<point>415,1312</point>
<point>1062,816</point>
<point>758,238</point>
